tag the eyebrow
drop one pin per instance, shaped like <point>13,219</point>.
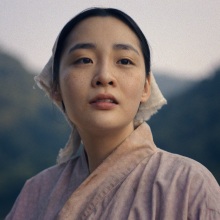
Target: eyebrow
<point>93,46</point>
<point>125,47</point>
<point>82,46</point>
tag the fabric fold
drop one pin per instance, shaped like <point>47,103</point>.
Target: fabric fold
<point>110,174</point>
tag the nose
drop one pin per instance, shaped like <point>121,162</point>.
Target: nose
<point>103,76</point>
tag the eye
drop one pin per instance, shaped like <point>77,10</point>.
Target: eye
<point>83,60</point>
<point>125,62</point>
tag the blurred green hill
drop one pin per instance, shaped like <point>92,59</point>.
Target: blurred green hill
<point>32,130</point>
<point>190,124</point>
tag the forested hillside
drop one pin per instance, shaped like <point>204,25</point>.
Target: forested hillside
<point>190,124</point>
<point>32,130</point>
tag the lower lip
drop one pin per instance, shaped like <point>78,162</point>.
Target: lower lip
<point>103,105</point>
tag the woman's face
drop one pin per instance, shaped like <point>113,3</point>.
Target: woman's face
<point>102,75</point>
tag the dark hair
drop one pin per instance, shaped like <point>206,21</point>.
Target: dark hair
<point>102,12</point>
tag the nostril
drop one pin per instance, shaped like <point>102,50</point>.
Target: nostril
<point>99,83</point>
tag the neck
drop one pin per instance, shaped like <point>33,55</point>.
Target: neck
<point>99,145</point>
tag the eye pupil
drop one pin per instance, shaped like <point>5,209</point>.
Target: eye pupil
<point>86,60</point>
<point>83,60</point>
<point>124,61</point>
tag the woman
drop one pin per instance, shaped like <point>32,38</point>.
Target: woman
<point>99,75</point>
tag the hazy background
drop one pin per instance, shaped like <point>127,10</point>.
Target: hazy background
<point>184,35</point>
<point>184,38</point>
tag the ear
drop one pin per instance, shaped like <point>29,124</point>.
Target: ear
<point>147,90</point>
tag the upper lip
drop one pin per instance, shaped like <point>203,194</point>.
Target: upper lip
<point>102,97</point>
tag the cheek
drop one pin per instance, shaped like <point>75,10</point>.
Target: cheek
<point>72,94</point>
<point>134,88</point>
<point>70,82</point>
<point>72,89</point>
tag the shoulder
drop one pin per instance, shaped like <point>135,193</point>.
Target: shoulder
<point>182,166</point>
<point>60,171</point>
<point>173,166</point>
<point>44,182</point>
<point>52,173</point>
<point>184,178</point>
<point>50,176</point>
<point>37,190</point>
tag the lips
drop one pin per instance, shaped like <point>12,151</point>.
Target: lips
<point>104,102</point>
<point>104,98</point>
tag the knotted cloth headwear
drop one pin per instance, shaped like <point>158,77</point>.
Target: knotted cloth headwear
<point>45,81</point>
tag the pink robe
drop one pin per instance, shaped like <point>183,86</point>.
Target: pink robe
<point>137,181</point>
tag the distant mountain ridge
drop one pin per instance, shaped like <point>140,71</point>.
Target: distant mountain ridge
<point>173,86</point>
<point>32,131</point>
<point>190,124</point>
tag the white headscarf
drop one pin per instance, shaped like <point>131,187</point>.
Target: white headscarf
<point>45,81</point>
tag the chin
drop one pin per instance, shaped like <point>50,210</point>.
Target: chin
<point>110,125</point>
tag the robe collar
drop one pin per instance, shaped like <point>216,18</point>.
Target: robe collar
<point>110,173</point>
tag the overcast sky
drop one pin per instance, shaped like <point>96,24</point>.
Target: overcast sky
<point>184,35</point>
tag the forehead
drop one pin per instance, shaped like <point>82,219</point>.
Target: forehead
<point>107,29</point>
